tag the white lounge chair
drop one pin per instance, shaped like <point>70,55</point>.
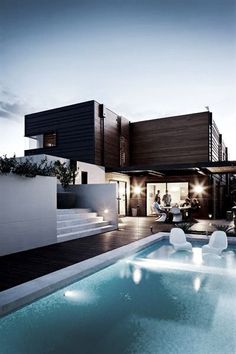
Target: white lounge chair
<point>178,240</point>
<point>217,243</point>
<point>177,215</point>
<point>161,217</point>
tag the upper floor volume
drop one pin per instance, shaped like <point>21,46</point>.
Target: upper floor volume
<point>92,133</point>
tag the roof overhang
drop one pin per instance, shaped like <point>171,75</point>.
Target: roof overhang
<point>203,168</point>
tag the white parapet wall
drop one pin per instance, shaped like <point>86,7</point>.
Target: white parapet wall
<point>95,173</point>
<point>98,197</point>
<point>27,213</point>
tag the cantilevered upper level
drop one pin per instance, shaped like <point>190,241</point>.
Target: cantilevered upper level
<point>92,133</point>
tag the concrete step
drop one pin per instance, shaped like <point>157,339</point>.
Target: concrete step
<point>81,227</point>
<point>79,234</point>
<point>73,216</point>
<point>78,221</point>
<point>73,211</point>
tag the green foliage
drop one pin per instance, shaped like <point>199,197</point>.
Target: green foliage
<point>222,227</point>
<point>185,226</point>
<point>226,228</point>
<point>232,231</point>
<point>28,168</point>
<point>7,164</point>
<point>45,168</point>
<point>64,174</point>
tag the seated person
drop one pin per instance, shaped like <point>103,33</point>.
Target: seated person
<point>187,203</point>
<point>195,204</point>
<point>157,208</point>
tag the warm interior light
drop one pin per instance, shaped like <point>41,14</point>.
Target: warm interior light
<point>137,275</point>
<point>137,190</point>
<point>71,293</point>
<point>106,211</point>
<point>198,189</point>
<point>197,255</point>
<point>197,283</point>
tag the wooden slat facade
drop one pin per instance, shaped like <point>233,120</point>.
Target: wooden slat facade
<point>179,139</point>
<point>217,148</point>
<point>111,131</point>
<point>74,128</point>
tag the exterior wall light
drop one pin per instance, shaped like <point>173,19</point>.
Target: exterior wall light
<point>137,190</point>
<point>198,189</point>
<point>106,211</point>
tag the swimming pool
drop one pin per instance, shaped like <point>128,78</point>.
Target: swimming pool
<point>157,301</point>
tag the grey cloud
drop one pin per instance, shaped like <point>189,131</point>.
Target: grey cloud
<point>4,114</point>
<point>11,107</point>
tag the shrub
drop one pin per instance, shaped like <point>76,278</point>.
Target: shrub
<point>26,168</point>
<point>45,168</point>
<point>7,164</point>
<point>185,226</point>
<point>229,230</point>
<point>223,227</point>
<point>64,174</point>
<point>29,168</point>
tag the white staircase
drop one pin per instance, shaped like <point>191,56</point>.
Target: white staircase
<point>77,223</point>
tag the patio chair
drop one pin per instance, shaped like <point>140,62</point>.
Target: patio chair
<point>161,217</point>
<point>177,215</point>
<point>178,240</point>
<point>217,243</point>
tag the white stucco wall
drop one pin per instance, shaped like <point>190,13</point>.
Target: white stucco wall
<point>96,174</point>
<point>27,213</point>
<point>98,197</point>
<point>40,157</point>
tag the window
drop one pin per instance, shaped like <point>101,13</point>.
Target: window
<point>49,139</point>
<point>84,177</point>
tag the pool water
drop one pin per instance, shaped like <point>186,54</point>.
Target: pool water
<point>157,301</point>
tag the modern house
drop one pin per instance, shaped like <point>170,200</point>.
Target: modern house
<point>184,154</point>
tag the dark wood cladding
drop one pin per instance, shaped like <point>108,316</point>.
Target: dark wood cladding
<point>179,139</point>
<point>109,131</point>
<point>74,127</point>
<point>217,148</point>
<point>111,139</point>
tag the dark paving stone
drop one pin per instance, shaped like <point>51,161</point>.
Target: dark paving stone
<point>24,266</point>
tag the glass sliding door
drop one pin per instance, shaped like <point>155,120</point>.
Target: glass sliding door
<point>120,196</point>
<point>152,189</point>
<point>177,190</point>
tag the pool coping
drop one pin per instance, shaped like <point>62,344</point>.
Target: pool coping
<point>23,294</point>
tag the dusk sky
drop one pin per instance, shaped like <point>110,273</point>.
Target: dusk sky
<point>142,59</point>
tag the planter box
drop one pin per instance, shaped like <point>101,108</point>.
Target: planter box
<point>27,213</point>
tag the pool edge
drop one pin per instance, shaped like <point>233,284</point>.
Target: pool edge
<point>21,295</point>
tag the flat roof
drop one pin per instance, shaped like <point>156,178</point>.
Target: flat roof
<point>208,167</point>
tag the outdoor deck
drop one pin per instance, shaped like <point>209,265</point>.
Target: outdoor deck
<point>24,266</point>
